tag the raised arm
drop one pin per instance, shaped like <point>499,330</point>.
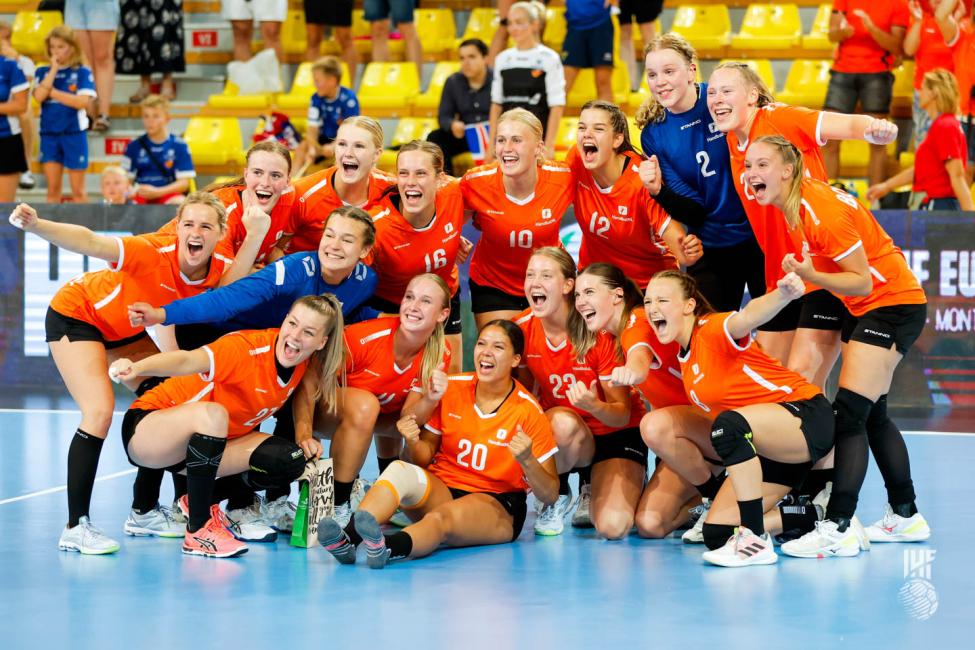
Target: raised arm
<point>76,239</point>
<point>164,364</point>
<point>839,126</point>
<point>761,310</point>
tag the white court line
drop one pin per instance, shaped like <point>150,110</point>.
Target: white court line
<point>61,488</point>
<point>56,411</point>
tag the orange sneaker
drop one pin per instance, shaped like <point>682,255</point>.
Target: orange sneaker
<point>213,539</point>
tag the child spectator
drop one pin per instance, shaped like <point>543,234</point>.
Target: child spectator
<point>116,189</point>
<point>66,88</point>
<point>13,102</point>
<point>26,119</point>
<point>330,104</point>
<point>158,162</point>
<point>589,43</point>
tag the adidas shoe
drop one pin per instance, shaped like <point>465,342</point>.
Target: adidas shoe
<point>744,548</point>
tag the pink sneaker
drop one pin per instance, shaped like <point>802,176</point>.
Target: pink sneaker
<point>744,548</point>
<point>213,539</point>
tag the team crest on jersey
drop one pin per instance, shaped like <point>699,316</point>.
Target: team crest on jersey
<point>712,127</point>
<point>448,228</point>
<point>502,434</point>
<point>622,210</point>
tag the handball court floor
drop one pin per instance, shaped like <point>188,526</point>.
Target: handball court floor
<point>563,592</point>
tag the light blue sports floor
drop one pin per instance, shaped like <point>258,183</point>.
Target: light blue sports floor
<point>566,592</point>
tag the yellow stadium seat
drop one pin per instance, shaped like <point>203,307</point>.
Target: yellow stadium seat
<point>854,153</point>
<point>303,87</point>
<point>818,37</point>
<point>427,103</point>
<point>584,87</point>
<point>904,81</point>
<point>408,129</point>
<point>859,186</point>
<point>361,32</point>
<point>214,140</point>
<point>293,34</point>
<point>29,30</point>
<point>388,89</point>
<point>761,66</point>
<point>769,27</point>
<point>482,24</point>
<point>806,83</point>
<point>705,26</point>
<point>565,139</point>
<point>555,28</point>
<point>906,159</point>
<point>634,134</point>
<point>231,98</point>
<point>437,31</point>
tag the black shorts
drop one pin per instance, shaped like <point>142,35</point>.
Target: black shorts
<point>723,273</point>
<point>337,13</point>
<point>645,11</point>
<point>452,326</point>
<point>57,326</point>
<point>817,422</point>
<point>821,310</point>
<point>874,90</point>
<point>130,421</point>
<point>625,443</point>
<point>786,320</point>
<point>12,158</point>
<point>898,325</point>
<point>514,503</point>
<point>484,299</point>
<point>588,48</point>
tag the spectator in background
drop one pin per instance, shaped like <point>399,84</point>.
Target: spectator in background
<point>645,12</point>
<point>330,104</point>
<point>95,22</point>
<point>528,75</point>
<point>150,41</point>
<point>500,40</point>
<point>242,14</point>
<point>938,173</point>
<point>26,118</point>
<point>378,13</point>
<point>931,44</point>
<point>466,99</point>
<point>116,188</point>
<point>158,162</point>
<point>870,37</point>
<point>962,39</point>
<point>589,43</point>
<point>13,102</point>
<point>337,14</point>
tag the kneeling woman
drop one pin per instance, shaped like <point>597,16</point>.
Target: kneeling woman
<point>478,442</point>
<point>763,410</point>
<point>206,416</point>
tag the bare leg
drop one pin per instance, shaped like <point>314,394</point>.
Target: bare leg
<point>617,484</point>
<point>665,503</point>
<point>243,31</point>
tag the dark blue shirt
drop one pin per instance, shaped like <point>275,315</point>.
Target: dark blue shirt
<point>55,116</point>
<point>327,114</point>
<point>12,81</point>
<point>172,153</point>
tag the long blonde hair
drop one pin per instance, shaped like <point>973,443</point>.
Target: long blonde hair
<point>614,278</point>
<point>944,87</point>
<point>436,345</point>
<point>651,111</point>
<point>328,362</point>
<point>368,124</point>
<point>528,119</point>
<point>790,155</point>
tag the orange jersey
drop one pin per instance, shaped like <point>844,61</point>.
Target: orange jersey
<point>243,378</point>
<point>721,373</point>
<point>371,365</point>
<point>801,127</point>
<point>621,225</point>
<point>317,199</point>
<point>834,224</point>
<point>664,385</point>
<point>473,453</point>
<point>147,271</point>
<point>511,230</point>
<point>280,219</point>
<point>555,368</point>
<point>402,251</point>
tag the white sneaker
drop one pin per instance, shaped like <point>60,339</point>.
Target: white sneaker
<point>342,515</point>
<point>821,500</point>
<point>894,528</point>
<point>695,534</point>
<point>359,489</point>
<point>551,520</point>
<point>26,181</point>
<point>744,548</point>
<point>825,540</point>
<point>176,512</point>
<point>280,514</point>
<point>581,518</point>
<point>862,536</point>
<point>86,538</point>
<point>158,522</point>
<point>248,524</point>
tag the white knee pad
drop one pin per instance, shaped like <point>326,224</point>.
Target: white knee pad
<point>408,482</point>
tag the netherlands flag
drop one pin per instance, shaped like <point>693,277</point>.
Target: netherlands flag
<point>478,141</point>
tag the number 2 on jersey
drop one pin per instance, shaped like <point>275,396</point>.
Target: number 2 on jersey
<point>704,160</point>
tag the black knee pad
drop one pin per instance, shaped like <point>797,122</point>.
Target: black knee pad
<point>275,462</point>
<point>716,535</point>
<point>851,411</point>
<point>878,414</point>
<point>731,436</point>
<point>148,384</point>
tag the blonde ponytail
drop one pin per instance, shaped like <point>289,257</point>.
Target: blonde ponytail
<point>330,360</point>
<point>790,155</point>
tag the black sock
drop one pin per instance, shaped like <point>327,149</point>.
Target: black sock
<point>851,453</point>
<point>752,515</point>
<point>890,452</point>
<point>203,454</point>
<point>400,544</point>
<point>343,492</point>
<point>145,489</point>
<point>585,475</point>
<point>816,481</point>
<point>179,485</point>
<point>234,491</point>
<point>354,537</point>
<point>284,427</point>
<point>385,462</point>
<point>563,483</point>
<point>709,489</point>
<point>82,466</point>
<point>798,517</point>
